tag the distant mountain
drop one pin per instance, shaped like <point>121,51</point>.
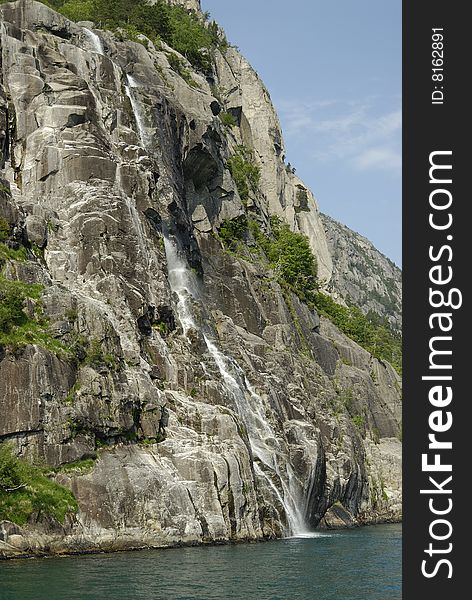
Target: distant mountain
<point>362,275</point>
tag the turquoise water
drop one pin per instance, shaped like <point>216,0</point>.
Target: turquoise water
<point>361,564</point>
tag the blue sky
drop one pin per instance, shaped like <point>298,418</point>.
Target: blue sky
<point>333,69</point>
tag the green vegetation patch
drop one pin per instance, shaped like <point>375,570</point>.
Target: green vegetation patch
<point>302,199</point>
<point>233,231</point>
<point>98,358</point>
<point>245,172</point>
<point>287,253</point>
<point>7,253</point>
<point>72,395</point>
<point>289,256</point>
<point>162,328</point>
<point>358,421</point>
<point>228,119</point>
<point>19,328</point>
<point>178,65</point>
<point>5,230</point>
<point>191,34</point>
<point>79,467</point>
<point>370,331</point>
<point>25,491</point>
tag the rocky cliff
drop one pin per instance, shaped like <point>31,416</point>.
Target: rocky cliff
<point>362,275</point>
<point>116,182</point>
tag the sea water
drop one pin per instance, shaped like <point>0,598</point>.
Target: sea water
<point>358,564</point>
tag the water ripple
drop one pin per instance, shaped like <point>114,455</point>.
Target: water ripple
<point>360,564</point>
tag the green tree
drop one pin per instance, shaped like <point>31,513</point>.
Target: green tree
<point>292,259</point>
<point>185,31</point>
<point>12,299</point>
<point>77,10</point>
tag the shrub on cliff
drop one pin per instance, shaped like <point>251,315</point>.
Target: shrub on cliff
<point>4,230</point>
<point>245,172</point>
<point>26,491</point>
<point>185,31</point>
<point>233,231</point>
<point>369,331</point>
<point>228,119</point>
<point>291,258</point>
<point>12,299</point>
<point>19,327</point>
<point>288,253</point>
<point>178,65</point>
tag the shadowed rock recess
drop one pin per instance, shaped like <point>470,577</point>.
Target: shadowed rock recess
<point>116,180</point>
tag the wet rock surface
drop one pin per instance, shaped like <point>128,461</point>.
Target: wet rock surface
<point>275,416</point>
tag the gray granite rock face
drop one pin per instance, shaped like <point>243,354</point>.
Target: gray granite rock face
<point>362,274</point>
<point>245,96</point>
<point>108,156</point>
<point>190,4</point>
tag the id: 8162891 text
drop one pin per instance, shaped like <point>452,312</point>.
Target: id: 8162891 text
<point>437,65</point>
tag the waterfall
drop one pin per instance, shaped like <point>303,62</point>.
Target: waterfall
<point>94,40</point>
<point>181,282</point>
<point>131,83</point>
<point>138,228</point>
<point>266,447</point>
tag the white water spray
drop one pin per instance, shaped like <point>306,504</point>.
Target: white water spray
<point>182,284</point>
<point>265,445</point>
<point>95,41</point>
<point>132,83</point>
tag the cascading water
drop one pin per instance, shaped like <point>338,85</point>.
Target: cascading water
<point>95,41</point>
<point>138,227</point>
<point>181,284</point>
<point>266,447</point>
<point>136,108</point>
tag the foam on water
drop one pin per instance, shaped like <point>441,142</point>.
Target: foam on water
<point>310,535</point>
